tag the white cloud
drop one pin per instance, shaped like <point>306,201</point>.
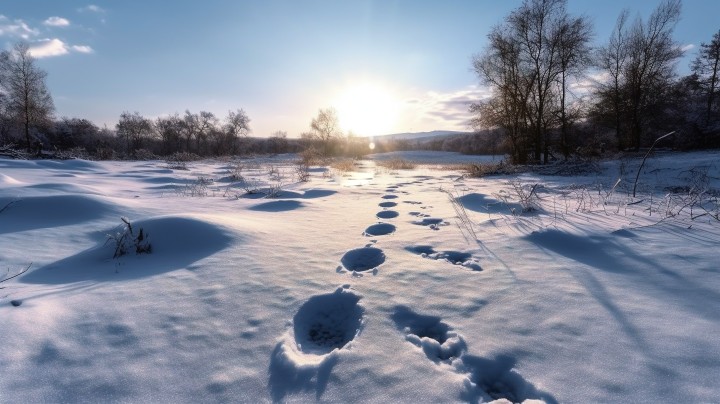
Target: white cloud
<point>687,47</point>
<point>91,8</point>
<point>15,28</point>
<point>56,22</point>
<point>48,48</point>
<point>447,110</point>
<point>82,49</point>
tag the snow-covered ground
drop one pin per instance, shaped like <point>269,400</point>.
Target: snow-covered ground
<point>371,286</point>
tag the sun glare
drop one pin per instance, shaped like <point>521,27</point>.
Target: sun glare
<point>367,109</point>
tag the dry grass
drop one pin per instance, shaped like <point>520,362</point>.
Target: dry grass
<point>484,169</point>
<point>344,165</point>
<point>397,164</point>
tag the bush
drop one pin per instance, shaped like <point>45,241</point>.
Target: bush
<point>345,165</point>
<point>302,171</point>
<point>311,156</point>
<point>126,240</point>
<point>397,164</point>
<point>484,169</point>
<point>145,154</point>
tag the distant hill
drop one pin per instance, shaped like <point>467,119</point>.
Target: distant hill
<point>420,135</point>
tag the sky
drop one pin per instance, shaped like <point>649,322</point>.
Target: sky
<point>386,66</point>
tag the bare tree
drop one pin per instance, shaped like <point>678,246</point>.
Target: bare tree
<point>277,143</point>
<point>573,38</point>
<point>189,126</point>
<point>611,59</point>
<point>206,123</point>
<point>326,128</point>
<point>537,24</point>
<point>237,125</point>
<point>640,60</point>
<point>537,46</point>
<point>28,99</point>
<point>651,66</point>
<point>706,67</point>
<point>133,128</point>
<point>170,131</point>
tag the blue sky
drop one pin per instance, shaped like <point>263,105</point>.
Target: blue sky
<point>283,60</point>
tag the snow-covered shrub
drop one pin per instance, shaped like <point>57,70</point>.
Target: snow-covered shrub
<point>7,276</point>
<point>524,194</point>
<point>235,172</point>
<point>126,240</point>
<point>397,164</point>
<point>344,165</point>
<point>302,171</point>
<point>74,153</point>
<point>178,160</point>
<point>311,156</point>
<point>145,154</point>
<point>198,188</point>
<point>275,184</point>
<point>11,151</point>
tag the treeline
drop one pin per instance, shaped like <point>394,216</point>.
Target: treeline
<point>539,57</point>
<point>27,122</point>
<point>553,96</point>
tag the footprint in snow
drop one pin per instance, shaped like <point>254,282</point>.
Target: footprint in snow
<point>390,196</point>
<point>379,229</point>
<point>454,257</point>
<point>327,322</point>
<point>431,222</point>
<point>304,359</point>
<point>418,214</point>
<point>435,338</point>
<point>487,379</point>
<point>413,202</point>
<point>387,204</point>
<point>387,214</point>
<point>363,259</point>
<point>497,379</point>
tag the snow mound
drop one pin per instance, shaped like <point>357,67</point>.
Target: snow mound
<point>277,206</point>
<point>65,188</point>
<point>38,212</point>
<point>72,165</point>
<point>176,243</point>
<point>482,203</point>
<point>8,180</point>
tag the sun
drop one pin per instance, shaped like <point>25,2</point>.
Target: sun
<point>367,109</point>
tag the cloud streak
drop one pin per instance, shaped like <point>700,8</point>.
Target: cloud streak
<point>15,28</point>
<point>56,22</point>
<point>91,8</point>
<point>51,47</point>
<point>82,49</point>
<point>446,110</point>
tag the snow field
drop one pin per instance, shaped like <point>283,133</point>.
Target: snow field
<point>319,294</point>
